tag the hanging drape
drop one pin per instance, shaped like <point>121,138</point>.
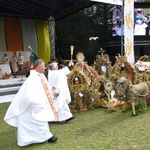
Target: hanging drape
<point>13,34</point>
<point>43,40</point>
<point>2,35</point>
<point>29,35</point>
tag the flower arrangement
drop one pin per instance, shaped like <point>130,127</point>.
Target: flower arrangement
<point>148,83</point>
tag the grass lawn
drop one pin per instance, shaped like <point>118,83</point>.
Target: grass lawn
<point>94,129</point>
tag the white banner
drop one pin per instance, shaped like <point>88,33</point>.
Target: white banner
<point>129,30</point>
<point>115,2</point>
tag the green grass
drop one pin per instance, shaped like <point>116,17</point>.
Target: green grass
<point>94,129</point>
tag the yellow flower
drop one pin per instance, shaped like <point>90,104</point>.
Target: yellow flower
<point>122,102</point>
<point>148,83</point>
<point>113,75</point>
<point>105,101</point>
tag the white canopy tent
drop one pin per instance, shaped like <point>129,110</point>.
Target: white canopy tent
<point>115,2</point>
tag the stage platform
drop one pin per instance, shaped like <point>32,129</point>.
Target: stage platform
<point>9,87</point>
<point>12,81</point>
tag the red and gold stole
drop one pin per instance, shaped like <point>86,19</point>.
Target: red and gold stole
<point>48,96</point>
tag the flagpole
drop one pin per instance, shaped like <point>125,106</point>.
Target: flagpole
<point>33,51</point>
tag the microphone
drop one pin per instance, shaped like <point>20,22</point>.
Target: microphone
<point>117,18</point>
<point>113,8</point>
<point>30,47</point>
<point>33,51</point>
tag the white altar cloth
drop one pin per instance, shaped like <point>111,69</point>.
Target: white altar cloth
<point>5,68</point>
<point>12,81</point>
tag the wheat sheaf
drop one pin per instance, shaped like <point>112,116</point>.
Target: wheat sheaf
<point>128,49</point>
<point>128,21</point>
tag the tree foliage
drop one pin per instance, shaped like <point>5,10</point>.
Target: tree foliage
<point>79,27</point>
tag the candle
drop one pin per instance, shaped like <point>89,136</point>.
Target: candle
<point>72,49</point>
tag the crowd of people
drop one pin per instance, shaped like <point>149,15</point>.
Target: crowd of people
<point>141,22</point>
<point>36,104</point>
<point>16,63</point>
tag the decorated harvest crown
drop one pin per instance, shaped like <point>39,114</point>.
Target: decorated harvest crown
<point>101,51</point>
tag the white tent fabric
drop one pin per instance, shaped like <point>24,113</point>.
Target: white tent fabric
<point>115,2</point>
<point>29,35</point>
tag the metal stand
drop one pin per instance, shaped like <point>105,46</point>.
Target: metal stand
<point>122,30</point>
<point>21,75</point>
<point>15,75</point>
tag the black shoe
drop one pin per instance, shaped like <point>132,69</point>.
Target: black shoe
<point>53,139</point>
<point>53,122</point>
<point>70,119</point>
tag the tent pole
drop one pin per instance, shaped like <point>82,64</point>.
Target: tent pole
<point>52,37</point>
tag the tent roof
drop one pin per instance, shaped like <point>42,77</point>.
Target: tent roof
<point>41,9</point>
<point>44,9</point>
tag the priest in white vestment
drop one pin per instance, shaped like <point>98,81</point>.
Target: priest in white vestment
<point>58,79</point>
<point>20,61</point>
<point>13,62</point>
<point>32,108</point>
<point>5,59</point>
